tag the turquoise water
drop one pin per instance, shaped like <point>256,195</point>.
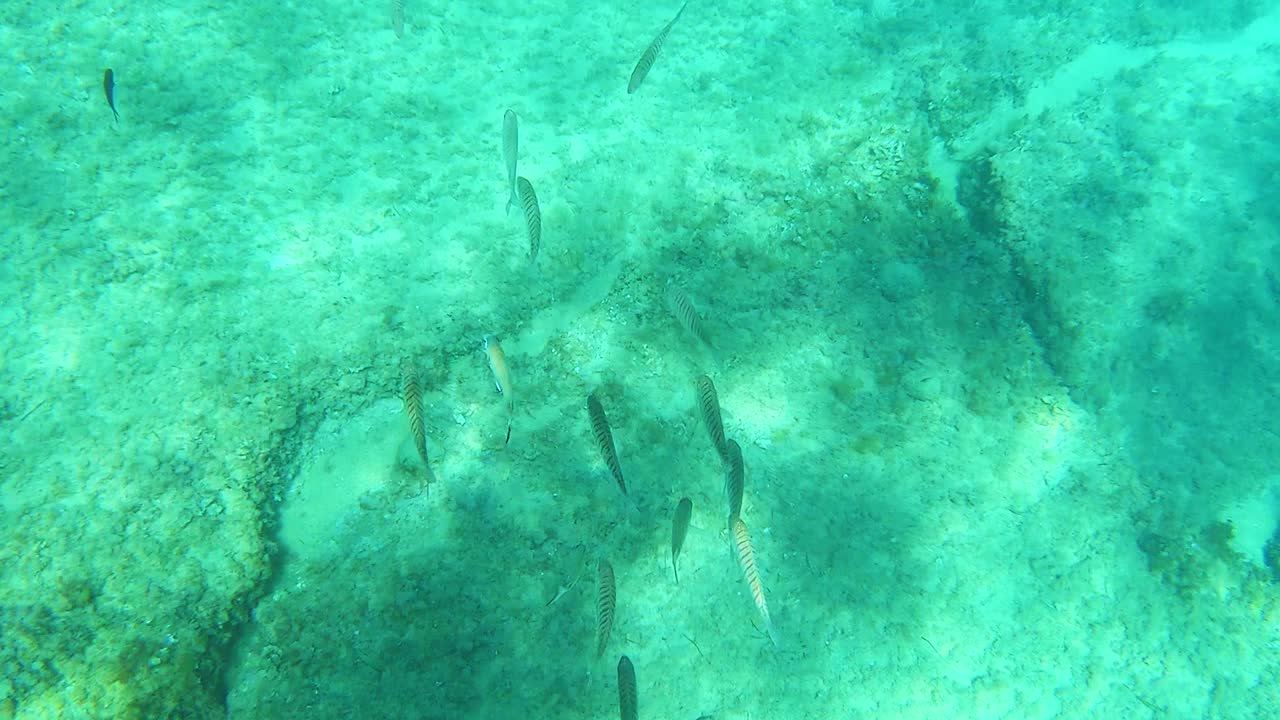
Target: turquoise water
<point>991,297</point>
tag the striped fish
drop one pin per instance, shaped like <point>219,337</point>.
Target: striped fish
<point>628,699</point>
<point>412,393</point>
<point>604,439</point>
<point>679,529</point>
<point>709,407</point>
<point>501,378</point>
<point>747,561</point>
<point>682,307</point>
<point>532,216</point>
<point>733,480</point>
<point>510,147</point>
<point>606,603</point>
<point>651,54</point>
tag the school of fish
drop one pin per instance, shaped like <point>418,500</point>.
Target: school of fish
<point>520,193</point>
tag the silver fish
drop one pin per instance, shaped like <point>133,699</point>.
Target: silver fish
<point>510,146</point>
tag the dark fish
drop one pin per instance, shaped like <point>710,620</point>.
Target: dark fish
<point>604,439</point>
<point>109,87</point>
<point>680,528</point>
<point>627,700</point>
<point>606,603</point>
<point>651,54</point>
<point>709,405</point>
<point>532,216</point>
<point>733,475</point>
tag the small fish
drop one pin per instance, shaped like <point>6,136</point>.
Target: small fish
<point>413,409</point>
<point>397,17</point>
<point>679,529</point>
<point>747,561</point>
<point>510,147</point>
<point>564,589</point>
<point>604,439</point>
<point>501,378</point>
<point>109,87</point>
<point>682,307</point>
<point>733,476</point>
<point>532,216</point>
<point>627,697</point>
<point>606,603</point>
<point>651,54</point>
<point>709,405</point>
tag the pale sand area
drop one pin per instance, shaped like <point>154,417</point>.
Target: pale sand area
<point>994,293</point>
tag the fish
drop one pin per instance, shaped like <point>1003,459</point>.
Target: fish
<point>627,697</point>
<point>532,216</point>
<point>109,87</point>
<point>510,147</point>
<point>709,406</point>
<point>651,54</point>
<point>397,17</point>
<point>747,561</point>
<point>733,479</point>
<point>564,589</point>
<point>501,378</point>
<point>604,439</point>
<point>679,529</point>
<point>682,307</point>
<point>412,391</point>
<point>606,603</point>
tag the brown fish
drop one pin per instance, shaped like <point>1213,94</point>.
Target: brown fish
<point>412,390</point>
<point>627,696</point>
<point>606,603</point>
<point>747,561</point>
<point>604,439</point>
<point>109,87</point>
<point>651,54</point>
<point>501,378</point>
<point>679,529</point>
